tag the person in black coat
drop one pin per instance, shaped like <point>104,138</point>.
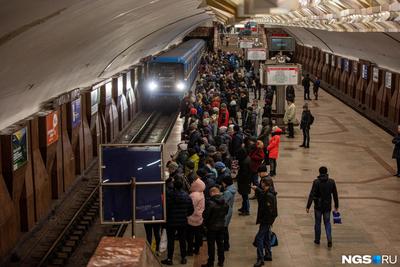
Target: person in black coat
<point>306,120</point>
<point>306,82</point>
<point>214,221</point>
<point>290,93</point>
<point>237,141</point>
<point>322,191</point>
<point>244,181</point>
<point>179,206</point>
<point>396,150</point>
<point>266,215</point>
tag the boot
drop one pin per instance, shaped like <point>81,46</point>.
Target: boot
<point>259,263</point>
<point>167,262</point>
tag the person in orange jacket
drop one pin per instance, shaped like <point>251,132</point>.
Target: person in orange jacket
<point>273,149</point>
<point>223,119</point>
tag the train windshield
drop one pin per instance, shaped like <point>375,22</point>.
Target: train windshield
<point>165,71</point>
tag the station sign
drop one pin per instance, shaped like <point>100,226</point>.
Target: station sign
<point>281,74</point>
<point>246,44</point>
<point>375,74</point>
<point>346,64</point>
<point>52,122</point>
<point>364,73</point>
<point>132,184</point>
<point>76,113</point>
<point>256,54</point>
<point>19,148</point>
<point>388,80</point>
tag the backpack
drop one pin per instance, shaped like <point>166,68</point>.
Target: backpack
<point>311,119</point>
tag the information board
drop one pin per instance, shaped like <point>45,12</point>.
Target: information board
<point>19,148</point>
<point>388,80</point>
<point>246,44</point>
<point>52,121</point>
<point>375,74</point>
<point>282,74</point>
<point>346,65</point>
<point>282,44</point>
<point>76,113</point>
<point>120,163</point>
<point>256,54</point>
<point>364,73</point>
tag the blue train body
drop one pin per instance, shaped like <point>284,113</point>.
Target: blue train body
<point>174,72</point>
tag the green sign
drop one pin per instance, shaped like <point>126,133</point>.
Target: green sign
<point>19,148</point>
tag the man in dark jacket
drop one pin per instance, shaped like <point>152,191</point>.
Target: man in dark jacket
<point>321,193</point>
<point>306,120</point>
<point>316,86</point>
<point>237,141</point>
<point>194,137</point>
<point>179,206</point>
<point>306,84</point>
<point>266,215</point>
<point>396,150</point>
<point>244,181</point>
<point>214,221</point>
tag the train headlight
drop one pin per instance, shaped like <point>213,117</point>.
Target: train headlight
<point>152,85</point>
<point>180,86</point>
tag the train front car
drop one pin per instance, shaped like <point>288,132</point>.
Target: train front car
<point>173,73</point>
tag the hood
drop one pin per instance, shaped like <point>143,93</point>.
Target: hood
<point>231,188</point>
<point>198,186</point>
<point>218,199</point>
<point>276,130</point>
<point>323,177</point>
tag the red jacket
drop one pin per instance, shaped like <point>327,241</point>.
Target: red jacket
<point>273,147</point>
<point>221,120</point>
<point>257,156</point>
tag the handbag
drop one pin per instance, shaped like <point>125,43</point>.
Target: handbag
<point>274,240</point>
<point>337,219</point>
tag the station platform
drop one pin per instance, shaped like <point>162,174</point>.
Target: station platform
<point>358,156</point>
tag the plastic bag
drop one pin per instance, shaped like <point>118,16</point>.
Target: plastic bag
<point>337,219</point>
<point>163,241</point>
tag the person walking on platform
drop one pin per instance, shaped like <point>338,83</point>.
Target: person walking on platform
<point>316,86</point>
<point>229,196</point>
<point>214,221</point>
<point>290,118</point>
<point>195,220</point>
<point>266,215</point>
<point>273,149</point>
<point>290,93</point>
<point>179,207</point>
<point>306,84</point>
<point>322,191</point>
<point>306,120</point>
<point>396,150</point>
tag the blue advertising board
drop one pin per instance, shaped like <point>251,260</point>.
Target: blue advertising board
<point>119,165</point>
<point>76,113</point>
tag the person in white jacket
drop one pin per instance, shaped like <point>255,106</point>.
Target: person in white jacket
<point>290,118</point>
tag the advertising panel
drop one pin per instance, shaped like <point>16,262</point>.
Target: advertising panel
<point>355,67</point>
<point>95,99</point>
<point>76,112</point>
<point>346,65</point>
<point>375,74</point>
<point>256,54</point>
<point>52,127</point>
<point>19,148</point>
<point>327,59</point>
<point>364,73</point>
<point>333,62</point>
<point>388,80</point>
<point>282,74</point>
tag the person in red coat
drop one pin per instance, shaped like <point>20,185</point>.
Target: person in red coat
<point>223,119</point>
<point>257,157</point>
<point>273,148</point>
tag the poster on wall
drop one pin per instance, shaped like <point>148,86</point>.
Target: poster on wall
<point>346,64</point>
<point>52,121</point>
<point>256,54</point>
<point>333,61</point>
<point>108,93</point>
<point>19,148</point>
<point>388,80</point>
<point>355,67</point>
<point>339,62</point>
<point>327,59</point>
<point>364,73</point>
<point>94,101</point>
<point>76,112</point>
<point>375,74</point>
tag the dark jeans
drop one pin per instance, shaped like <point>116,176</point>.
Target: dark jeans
<point>155,228</point>
<point>263,241</point>
<point>244,115</point>
<point>306,137</point>
<point>226,238</point>
<point>171,230</point>
<point>290,129</point>
<point>398,166</point>
<point>306,93</point>
<point>212,238</point>
<point>272,164</point>
<point>316,93</point>
<point>327,221</point>
<point>254,179</point>
<point>245,203</point>
<point>194,238</point>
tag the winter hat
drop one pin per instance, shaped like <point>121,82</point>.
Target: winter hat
<point>189,164</point>
<point>223,105</point>
<point>206,122</point>
<point>201,172</point>
<point>223,148</point>
<point>227,180</point>
<point>173,165</point>
<point>222,129</point>
<point>219,165</point>
<point>233,103</point>
<point>323,170</point>
<point>260,144</point>
<point>193,111</point>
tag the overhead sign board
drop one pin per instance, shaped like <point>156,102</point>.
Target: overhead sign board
<point>246,44</point>
<point>132,183</point>
<point>282,74</point>
<point>256,54</point>
<point>19,148</point>
<point>52,121</point>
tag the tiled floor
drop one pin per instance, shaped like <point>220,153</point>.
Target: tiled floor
<point>358,156</point>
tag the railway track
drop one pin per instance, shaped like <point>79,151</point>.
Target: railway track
<point>60,243</point>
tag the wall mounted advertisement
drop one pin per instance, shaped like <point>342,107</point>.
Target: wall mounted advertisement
<point>339,62</point>
<point>19,148</point>
<point>94,100</point>
<point>355,67</point>
<point>256,54</point>
<point>52,121</point>
<point>108,93</point>
<point>282,74</point>
<point>388,80</point>
<point>375,75</point>
<point>333,61</point>
<point>132,183</point>
<point>327,59</point>
<point>364,73</point>
<point>120,84</point>
<point>246,44</point>
<point>346,64</point>
<point>76,113</point>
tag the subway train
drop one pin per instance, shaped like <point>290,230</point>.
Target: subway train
<point>173,73</point>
